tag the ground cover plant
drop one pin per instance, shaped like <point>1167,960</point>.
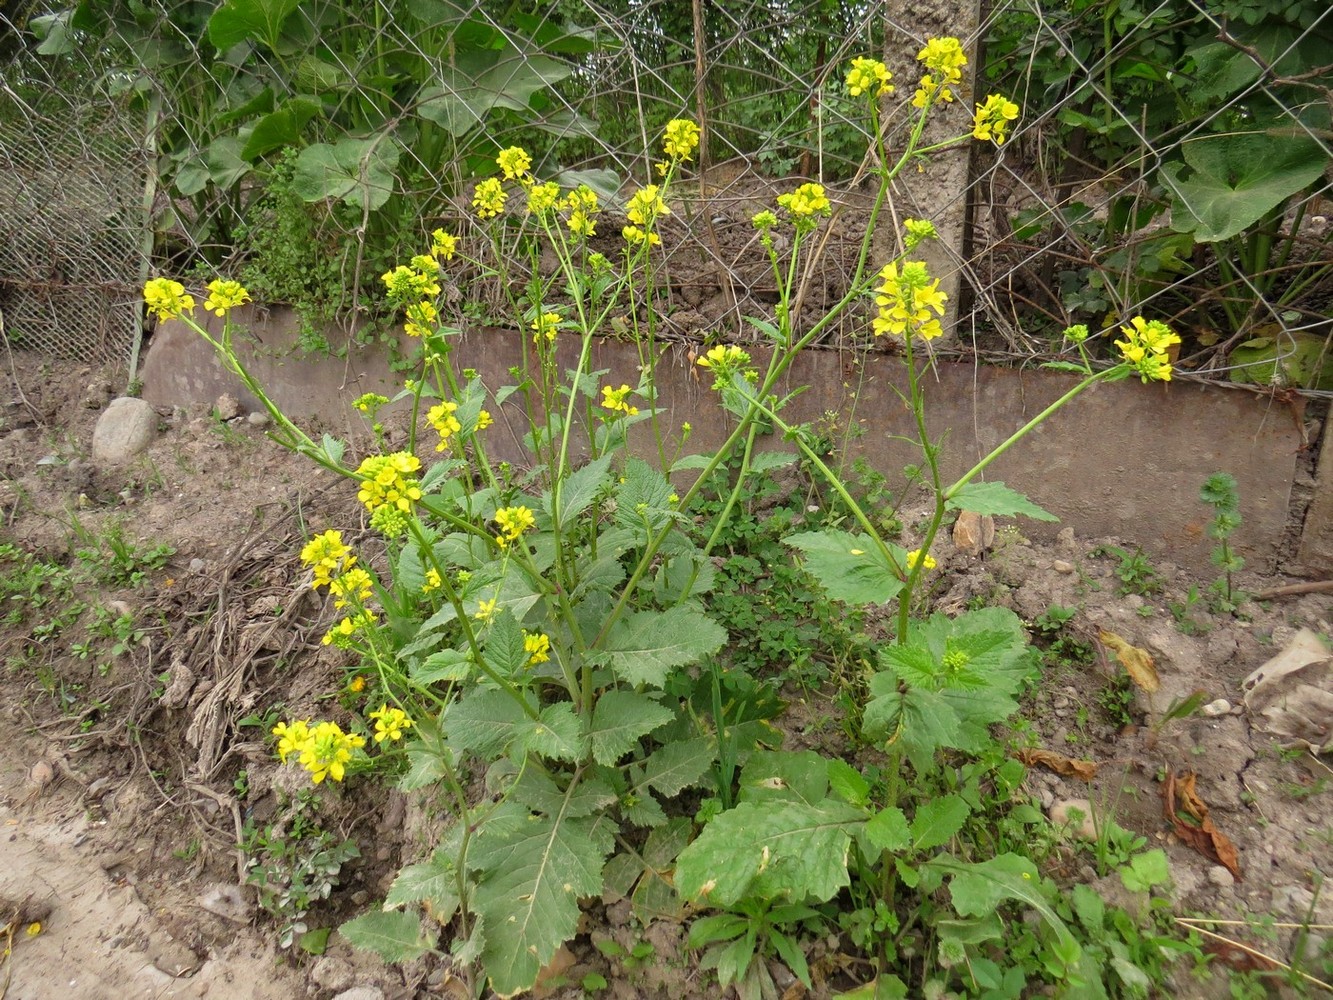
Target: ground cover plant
<point>535,650</point>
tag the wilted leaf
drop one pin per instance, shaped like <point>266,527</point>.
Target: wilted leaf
<point>1138,663</point>
<point>1084,770</point>
<point>1180,795</point>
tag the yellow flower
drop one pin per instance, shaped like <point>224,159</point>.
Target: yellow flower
<point>341,635</point>
<point>915,556</point>
<point>442,245</point>
<point>515,162</point>
<point>433,581</point>
<point>905,301</point>
<point>513,521</point>
<point>543,197</point>
<point>645,205</point>
<point>581,205</point>
<point>388,481</point>
<point>34,929</point>
<point>328,750</point>
<point>357,684</point>
<point>870,77</point>
<point>167,298</point>
<point>917,231</point>
<point>390,723</point>
<point>993,118</point>
<point>1146,348</point>
<point>944,58</point>
<point>369,403</point>
<point>614,400</point>
<point>441,417</point>
<point>538,647</point>
<point>483,420</point>
<point>545,326</point>
<point>353,586</point>
<point>486,609</point>
<point>327,554</point>
<point>421,317</point>
<point>292,737</point>
<point>633,234</point>
<point>405,283</point>
<point>682,138</point>
<point>489,198</point>
<point>224,296</point>
<point>806,201</point>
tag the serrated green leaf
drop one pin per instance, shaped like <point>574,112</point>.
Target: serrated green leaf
<point>783,775</point>
<point>678,765</point>
<point>427,755</point>
<point>687,462</point>
<point>996,499</point>
<point>557,736</point>
<point>434,881</point>
<point>848,782</point>
<point>937,820</point>
<point>849,567</point>
<point>1146,870</point>
<point>887,830</point>
<point>485,722</point>
<point>648,645</point>
<point>502,645</point>
<point>392,934</point>
<point>643,809</point>
<point>444,665</point>
<point>534,870</point>
<point>579,490</point>
<point>797,850</point>
<point>767,461</point>
<point>641,498</point>
<point>620,720</point>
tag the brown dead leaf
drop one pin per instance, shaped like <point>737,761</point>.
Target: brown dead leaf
<point>1179,795</point>
<point>1239,959</point>
<point>1138,663</point>
<point>1084,770</point>
<point>549,978</point>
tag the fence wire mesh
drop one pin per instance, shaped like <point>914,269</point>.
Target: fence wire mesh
<point>307,175</point>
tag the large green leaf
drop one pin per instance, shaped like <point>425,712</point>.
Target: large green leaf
<point>357,171</point>
<point>392,934</point>
<point>219,163</point>
<point>648,645</point>
<point>237,20</point>
<point>1229,182</point>
<point>281,127</point>
<point>997,500</point>
<point>849,567</point>
<point>434,881</point>
<point>485,722</point>
<point>481,81</point>
<point>579,490</point>
<point>678,765</point>
<point>620,720</point>
<point>937,820</point>
<point>770,850</point>
<point>534,869</point>
<point>557,735</point>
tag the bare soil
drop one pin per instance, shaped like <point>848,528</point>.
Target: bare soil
<point>125,790</point>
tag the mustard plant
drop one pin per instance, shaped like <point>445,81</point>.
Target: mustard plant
<point>542,621</point>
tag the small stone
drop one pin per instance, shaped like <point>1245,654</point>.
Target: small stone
<point>1221,877</point>
<point>973,533</point>
<point>197,565</point>
<point>228,902</point>
<point>227,407</point>
<point>97,393</point>
<point>1060,566</point>
<point>332,974</point>
<point>257,419</point>
<point>1063,815</point>
<point>360,993</point>
<point>125,428</point>
<point>1215,708</point>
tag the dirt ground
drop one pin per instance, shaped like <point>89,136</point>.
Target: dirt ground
<point>125,790</point>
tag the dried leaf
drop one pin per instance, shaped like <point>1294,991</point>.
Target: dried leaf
<point>1138,663</point>
<point>1084,770</point>
<point>1179,795</point>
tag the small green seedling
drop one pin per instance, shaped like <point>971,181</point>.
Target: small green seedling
<point>1220,493</point>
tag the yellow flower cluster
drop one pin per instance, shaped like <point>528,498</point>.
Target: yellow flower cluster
<point>369,403</point>
<point>513,521</point>
<point>489,198</point>
<point>581,207</point>
<point>407,283</point>
<point>682,139</point>
<point>615,400</point>
<point>917,231</point>
<point>905,300</point>
<point>537,646</point>
<point>433,581</point>
<point>421,317</point>
<point>805,202</point>
<point>944,59</point>
<point>390,723</point>
<point>483,420</point>
<point>323,749</point>
<point>352,587</point>
<point>341,635</point>
<point>442,245</point>
<point>914,557</point>
<point>545,327</point>
<point>722,360</point>
<point>1146,348</point>
<point>223,296</point>
<point>870,77</point>
<point>441,417</point>
<point>167,298</point>
<point>514,163</point>
<point>993,118</point>
<point>328,556</point>
<point>644,208</point>
<point>389,481</point>
<point>542,198</point>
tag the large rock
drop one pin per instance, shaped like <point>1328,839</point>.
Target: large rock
<point>125,429</point>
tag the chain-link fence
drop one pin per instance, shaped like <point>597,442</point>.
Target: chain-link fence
<point>1170,158</point>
